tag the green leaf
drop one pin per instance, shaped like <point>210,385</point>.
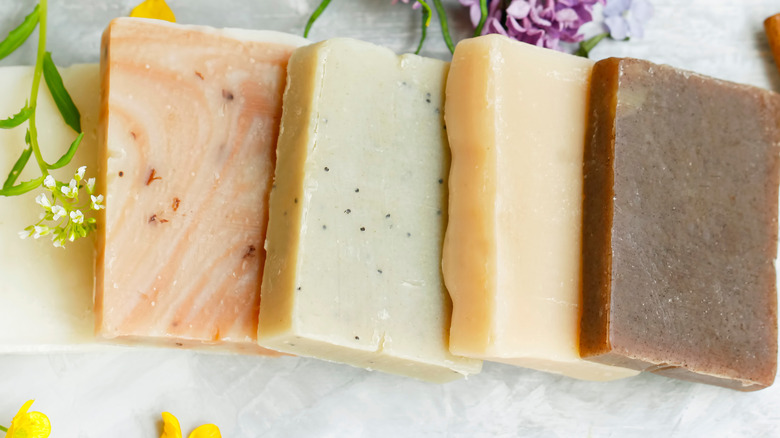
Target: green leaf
<point>483,17</point>
<point>315,16</point>
<point>17,119</point>
<point>588,45</point>
<point>445,31</point>
<point>61,97</point>
<point>65,159</point>
<point>18,36</point>
<point>18,167</point>
<point>22,188</point>
<point>426,21</point>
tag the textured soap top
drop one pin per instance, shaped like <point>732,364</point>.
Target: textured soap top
<point>680,225</point>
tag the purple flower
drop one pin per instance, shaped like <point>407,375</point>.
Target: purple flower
<point>626,18</point>
<point>544,23</point>
<point>415,6</point>
<point>474,11</point>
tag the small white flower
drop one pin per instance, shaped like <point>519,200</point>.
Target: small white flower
<point>58,242</point>
<point>71,190</point>
<point>40,230</point>
<point>49,182</point>
<point>91,185</point>
<point>77,217</point>
<point>80,173</point>
<point>25,234</point>
<point>96,202</point>
<point>59,212</point>
<point>72,235</point>
<point>43,201</point>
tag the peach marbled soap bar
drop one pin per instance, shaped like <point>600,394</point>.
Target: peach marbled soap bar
<point>680,225</point>
<point>190,119</point>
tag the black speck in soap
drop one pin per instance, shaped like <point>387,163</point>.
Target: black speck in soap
<point>324,227</point>
<point>357,190</point>
<point>179,344</point>
<point>408,234</point>
<point>362,228</point>
<point>403,83</point>
<point>296,200</point>
<point>121,174</point>
<point>441,180</point>
<point>326,169</point>
<point>347,211</point>
<point>227,95</point>
<point>387,216</point>
<point>379,270</point>
<point>437,111</point>
<point>357,338</point>
<point>428,97</point>
<point>299,288</point>
<point>438,212</point>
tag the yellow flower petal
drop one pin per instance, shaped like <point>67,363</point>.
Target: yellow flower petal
<point>206,431</point>
<point>154,9</point>
<point>29,424</point>
<point>171,428</point>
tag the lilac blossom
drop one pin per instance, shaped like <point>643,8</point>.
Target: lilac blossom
<point>626,18</point>
<point>415,6</point>
<point>544,23</point>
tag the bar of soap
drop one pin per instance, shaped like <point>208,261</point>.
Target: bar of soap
<point>516,124</point>
<point>46,291</point>
<point>772,28</point>
<point>191,120</point>
<point>358,214</point>
<point>680,221</point>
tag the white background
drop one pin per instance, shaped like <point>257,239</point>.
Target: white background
<point>121,393</point>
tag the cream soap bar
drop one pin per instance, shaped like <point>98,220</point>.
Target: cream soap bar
<point>46,292</point>
<point>191,121</point>
<point>358,213</point>
<point>515,118</point>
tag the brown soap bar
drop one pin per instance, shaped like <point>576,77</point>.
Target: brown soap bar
<point>772,27</point>
<point>680,225</point>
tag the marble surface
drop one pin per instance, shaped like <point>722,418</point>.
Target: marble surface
<point>120,393</point>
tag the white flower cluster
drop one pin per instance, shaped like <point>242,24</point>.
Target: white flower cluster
<point>63,217</point>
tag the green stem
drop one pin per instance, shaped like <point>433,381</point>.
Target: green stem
<point>445,31</point>
<point>426,21</point>
<point>314,16</point>
<point>483,18</point>
<point>35,85</point>
<point>3,428</point>
<point>588,45</point>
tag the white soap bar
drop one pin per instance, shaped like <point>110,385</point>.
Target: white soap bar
<point>516,124</point>
<point>45,292</point>
<point>357,215</point>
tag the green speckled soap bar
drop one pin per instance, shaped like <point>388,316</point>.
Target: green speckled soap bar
<point>680,225</point>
